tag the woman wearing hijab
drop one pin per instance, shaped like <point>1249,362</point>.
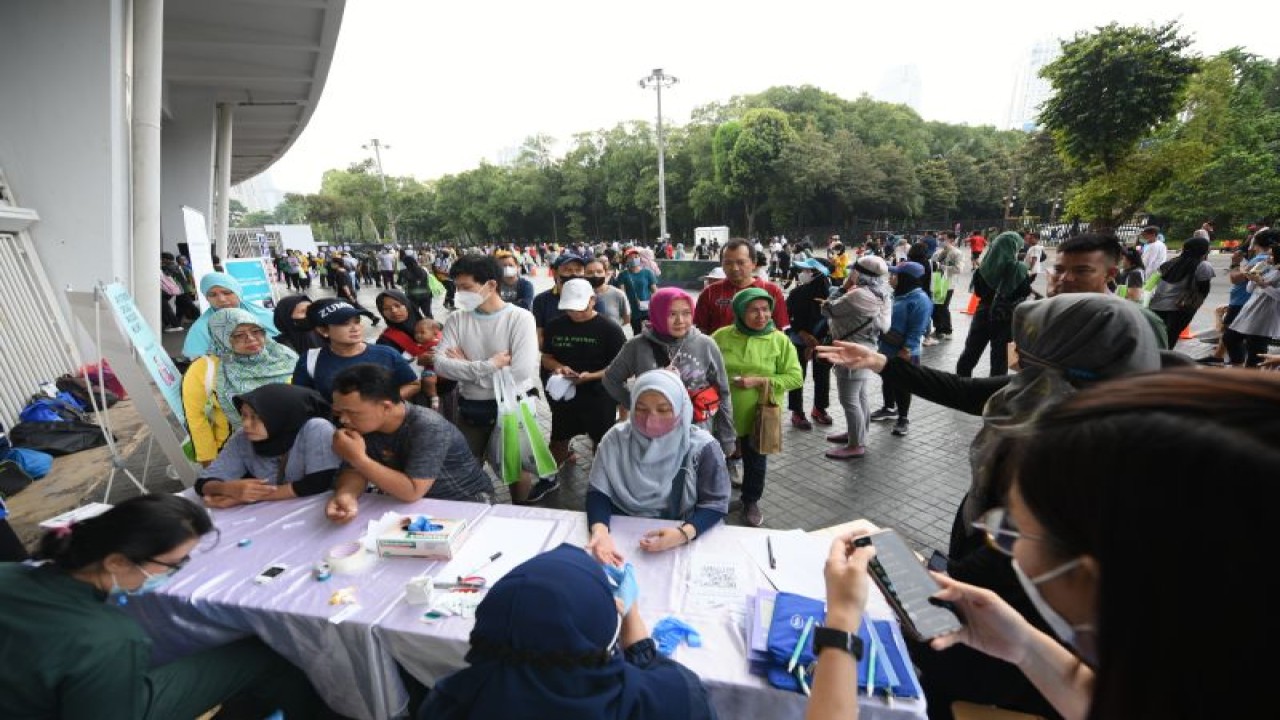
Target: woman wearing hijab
<point>1061,344</point>
<point>756,355</point>
<point>804,307</point>
<point>283,449</point>
<point>550,641</point>
<point>1182,287</point>
<point>1259,319</point>
<point>290,317</point>
<point>657,464</point>
<point>402,315</point>
<point>223,292</point>
<point>860,315</point>
<point>912,310</point>
<point>241,357</point>
<point>672,341</point>
<point>1000,283</point>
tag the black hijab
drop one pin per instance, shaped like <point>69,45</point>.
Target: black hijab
<point>297,334</point>
<point>284,409</point>
<point>1194,251</point>
<point>415,315</point>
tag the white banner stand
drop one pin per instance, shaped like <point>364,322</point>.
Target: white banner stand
<point>129,345</point>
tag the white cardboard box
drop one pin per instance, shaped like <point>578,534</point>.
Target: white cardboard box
<point>434,544</point>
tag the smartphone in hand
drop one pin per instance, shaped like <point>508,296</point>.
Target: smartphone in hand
<point>908,587</point>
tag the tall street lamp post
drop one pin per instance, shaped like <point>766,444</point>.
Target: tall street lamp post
<point>658,80</point>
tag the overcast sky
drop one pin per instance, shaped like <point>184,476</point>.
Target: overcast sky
<point>447,84</point>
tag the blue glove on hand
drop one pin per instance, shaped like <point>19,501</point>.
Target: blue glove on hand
<point>623,581</point>
<point>670,632</point>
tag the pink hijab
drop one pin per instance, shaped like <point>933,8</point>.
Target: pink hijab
<point>660,308</point>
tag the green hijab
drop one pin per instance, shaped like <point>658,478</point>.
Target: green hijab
<point>740,302</point>
<point>239,374</point>
<point>1000,267</point>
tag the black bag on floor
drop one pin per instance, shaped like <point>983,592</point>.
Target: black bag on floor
<point>57,438</point>
<point>79,389</point>
<point>13,479</point>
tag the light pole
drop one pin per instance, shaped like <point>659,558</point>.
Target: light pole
<point>658,80</point>
<point>378,147</point>
<point>1009,200</point>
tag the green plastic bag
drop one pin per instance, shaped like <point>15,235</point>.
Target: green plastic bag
<point>517,443</point>
<point>437,287</point>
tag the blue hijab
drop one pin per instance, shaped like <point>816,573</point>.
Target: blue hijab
<point>197,342</point>
<point>542,647</point>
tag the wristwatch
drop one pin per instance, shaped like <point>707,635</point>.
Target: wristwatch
<point>824,637</point>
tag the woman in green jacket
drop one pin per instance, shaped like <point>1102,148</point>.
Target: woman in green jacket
<point>755,352</point>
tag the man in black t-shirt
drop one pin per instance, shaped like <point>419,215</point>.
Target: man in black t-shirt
<point>387,446</point>
<point>576,349</point>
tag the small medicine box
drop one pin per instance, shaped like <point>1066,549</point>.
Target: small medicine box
<point>433,544</point>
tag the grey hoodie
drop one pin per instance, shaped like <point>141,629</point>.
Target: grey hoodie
<point>695,357</point>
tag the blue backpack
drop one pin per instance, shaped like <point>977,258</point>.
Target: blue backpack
<point>35,463</point>
<point>62,408</point>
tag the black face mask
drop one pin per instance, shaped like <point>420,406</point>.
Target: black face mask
<point>596,281</point>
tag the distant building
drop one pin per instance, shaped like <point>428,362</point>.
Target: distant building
<point>1030,90</point>
<point>259,193</point>
<point>901,84</point>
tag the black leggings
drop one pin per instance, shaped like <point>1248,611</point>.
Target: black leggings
<point>982,332</point>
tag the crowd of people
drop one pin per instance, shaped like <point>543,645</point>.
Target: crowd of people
<point>299,402</point>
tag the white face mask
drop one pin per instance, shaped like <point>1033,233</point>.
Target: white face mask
<point>804,277</point>
<point>468,299</point>
<point>1063,629</point>
<point>509,271</point>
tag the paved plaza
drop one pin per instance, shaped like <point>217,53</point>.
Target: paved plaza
<point>911,483</point>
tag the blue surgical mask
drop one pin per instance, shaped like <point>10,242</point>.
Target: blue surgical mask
<point>120,596</point>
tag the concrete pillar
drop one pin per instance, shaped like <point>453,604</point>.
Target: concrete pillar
<point>148,90</point>
<point>222,180</point>
<point>188,158</point>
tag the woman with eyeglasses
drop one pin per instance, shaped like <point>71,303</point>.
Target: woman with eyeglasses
<point>242,356</point>
<point>69,651</point>
<point>1135,559</point>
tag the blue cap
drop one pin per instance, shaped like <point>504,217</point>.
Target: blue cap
<point>567,258</point>
<point>914,269</point>
<point>811,264</point>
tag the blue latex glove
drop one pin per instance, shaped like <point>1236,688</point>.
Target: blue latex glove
<point>423,524</point>
<point>623,581</point>
<point>669,632</point>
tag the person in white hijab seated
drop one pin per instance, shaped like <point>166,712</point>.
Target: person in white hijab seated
<point>657,464</point>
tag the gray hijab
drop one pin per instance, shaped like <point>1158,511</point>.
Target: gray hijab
<point>635,471</point>
<point>1063,343</point>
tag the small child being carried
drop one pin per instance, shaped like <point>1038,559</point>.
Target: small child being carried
<point>426,333</point>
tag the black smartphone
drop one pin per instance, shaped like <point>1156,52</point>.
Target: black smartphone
<point>908,587</point>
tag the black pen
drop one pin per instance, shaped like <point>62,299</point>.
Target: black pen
<point>479,567</point>
<point>773,563</point>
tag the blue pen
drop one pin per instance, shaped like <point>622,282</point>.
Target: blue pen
<point>871,659</point>
<point>804,637</point>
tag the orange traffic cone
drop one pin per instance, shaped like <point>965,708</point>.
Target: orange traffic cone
<point>1186,334</point>
<point>973,304</point>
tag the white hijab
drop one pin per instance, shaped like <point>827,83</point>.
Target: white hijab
<point>635,471</point>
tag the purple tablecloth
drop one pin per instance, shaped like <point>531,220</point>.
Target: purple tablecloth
<point>353,664</point>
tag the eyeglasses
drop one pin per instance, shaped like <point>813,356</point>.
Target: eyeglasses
<point>243,335</point>
<point>1000,530</point>
<point>172,567</point>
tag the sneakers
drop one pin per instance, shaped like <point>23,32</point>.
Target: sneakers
<point>847,453</point>
<point>902,427</point>
<point>174,329</point>
<point>543,488</point>
<point>944,336</point>
<point>799,421</point>
<point>929,340</point>
<point>820,416</point>
<point>840,438</point>
<point>884,413</point>
<point>751,514</point>
<point>735,473</point>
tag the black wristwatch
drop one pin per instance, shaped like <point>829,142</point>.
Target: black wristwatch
<point>825,637</point>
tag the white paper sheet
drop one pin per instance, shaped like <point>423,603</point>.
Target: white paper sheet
<point>799,558</point>
<point>716,581</point>
<point>518,539</point>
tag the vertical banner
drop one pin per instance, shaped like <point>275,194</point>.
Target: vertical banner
<point>136,356</point>
<point>199,246</point>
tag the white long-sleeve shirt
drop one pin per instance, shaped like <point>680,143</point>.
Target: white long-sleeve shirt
<point>1153,256</point>
<point>480,336</point>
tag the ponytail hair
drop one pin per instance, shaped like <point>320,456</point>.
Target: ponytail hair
<point>139,528</point>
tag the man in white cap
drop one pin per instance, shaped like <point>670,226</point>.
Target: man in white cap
<point>577,347</point>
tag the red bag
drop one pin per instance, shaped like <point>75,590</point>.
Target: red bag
<point>706,402</point>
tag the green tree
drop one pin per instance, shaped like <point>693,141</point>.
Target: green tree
<point>1114,86</point>
<point>237,212</point>
<point>937,188</point>
<point>754,170</point>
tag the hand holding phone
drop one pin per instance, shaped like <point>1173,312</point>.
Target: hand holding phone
<point>908,587</point>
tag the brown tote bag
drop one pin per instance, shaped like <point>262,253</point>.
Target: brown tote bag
<point>767,433</point>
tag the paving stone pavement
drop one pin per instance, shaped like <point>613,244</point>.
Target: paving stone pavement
<point>912,483</point>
